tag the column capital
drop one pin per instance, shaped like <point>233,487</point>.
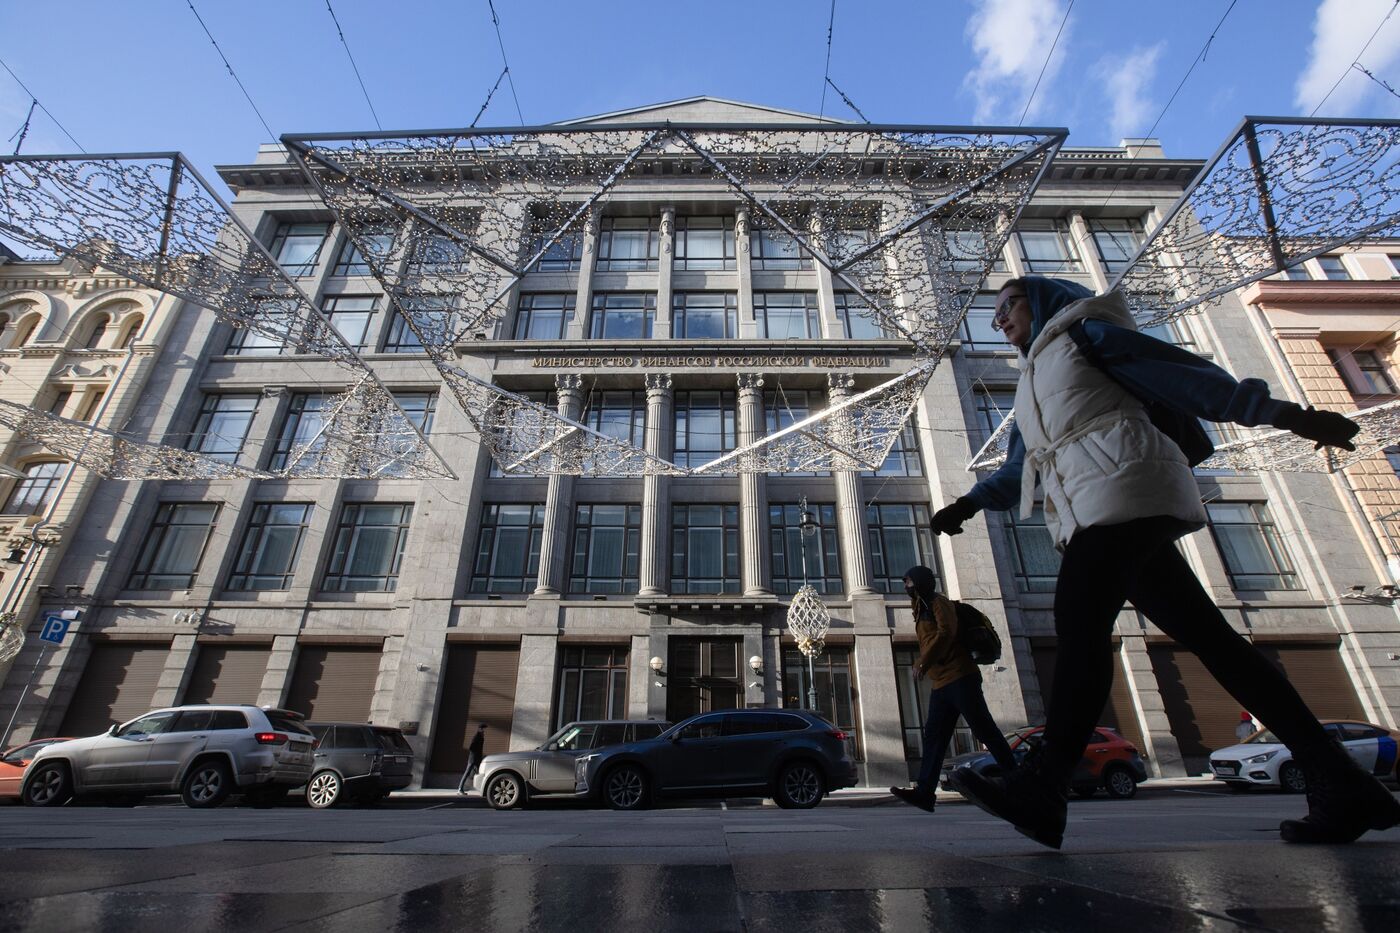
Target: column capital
<point>568,382</point>
<point>750,382</point>
<point>658,383</point>
<point>841,383</point>
<point>741,222</point>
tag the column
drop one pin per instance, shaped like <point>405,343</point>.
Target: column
<point>281,662</point>
<point>1088,252</point>
<point>850,513</point>
<point>664,266</point>
<point>748,328</point>
<point>534,691</point>
<point>656,489</point>
<point>880,726</point>
<point>559,502</point>
<point>178,665</point>
<point>753,491</point>
<point>576,327</point>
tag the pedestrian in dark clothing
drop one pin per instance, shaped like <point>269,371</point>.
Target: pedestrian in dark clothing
<point>956,688</point>
<point>1118,494</point>
<point>474,756</point>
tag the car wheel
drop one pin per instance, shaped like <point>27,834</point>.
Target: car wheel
<point>207,785</point>
<point>1120,784</point>
<point>505,791</point>
<point>1291,779</point>
<point>1085,792</point>
<point>324,790</point>
<point>625,788</point>
<point>51,785</point>
<point>799,786</point>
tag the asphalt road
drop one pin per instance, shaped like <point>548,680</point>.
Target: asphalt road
<point>1178,860</point>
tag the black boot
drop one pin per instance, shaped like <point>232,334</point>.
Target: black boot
<point>1027,798</point>
<point>1343,800</point>
<point>915,797</point>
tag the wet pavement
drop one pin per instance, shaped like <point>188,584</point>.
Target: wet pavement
<point>1178,860</point>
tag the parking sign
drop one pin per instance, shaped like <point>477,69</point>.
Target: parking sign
<point>55,627</point>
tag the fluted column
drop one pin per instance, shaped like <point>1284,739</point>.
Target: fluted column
<point>850,514</point>
<point>656,490</point>
<point>559,502</point>
<point>665,267</point>
<point>753,491</point>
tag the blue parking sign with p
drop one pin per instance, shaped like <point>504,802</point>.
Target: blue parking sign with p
<point>55,627</point>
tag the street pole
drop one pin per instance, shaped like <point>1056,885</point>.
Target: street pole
<point>5,739</point>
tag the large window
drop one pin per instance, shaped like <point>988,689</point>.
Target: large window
<point>1364,371</point>
<point>822,548</point>
<point>297,247</point>
<point>968,251</point>
<point>784,315</point>
<point>1034,559</point>
<point>1046,246</point>
<point>623,315</point>
<point>993,405</point>
<point>705,427</point>
<point>592,684</point>
<point>433,316</point>
<point>172,550</point>
<point>549,400</point>
<point>368,551</point>
<point>508,549</point>
<point>705,315</point>
<point>277,318</point>
<point>628,244</point>
<point>904,458</point>
<point>351,315</point>
<point>856,324</point>
<point>378,240</point>
<point>543,316</point>
<point>1249,543</point>
<point>618,414</point>
<point>836,695</point>
<point>704,243</point>
<point>607,549</point>
<point>899,539</point>
<point>223,425</point>
<point>268,558</point>
<point>773,250</point>
<point>565,254</point>
<point>1116,241</point>
<point>441,254</point>
<point>419,407</point>
<point>784,408</point>
<point>299,426</point>
<point>31,494</point>
<point>705,549</point>
<point>1334,268</point>
<point>977,331</point>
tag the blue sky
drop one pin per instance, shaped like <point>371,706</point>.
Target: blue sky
<point>141,75</point>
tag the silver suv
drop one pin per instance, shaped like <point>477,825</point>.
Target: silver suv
<point>510,779</point>
<point>204,753</point>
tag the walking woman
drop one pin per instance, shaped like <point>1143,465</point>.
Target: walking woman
<point>1118,494</point>
<point>956,683</point>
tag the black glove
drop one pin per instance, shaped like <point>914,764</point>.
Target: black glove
<point>1328,428</point>
<point>949,519</point>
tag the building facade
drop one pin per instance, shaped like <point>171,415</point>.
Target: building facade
<point>527,601</point>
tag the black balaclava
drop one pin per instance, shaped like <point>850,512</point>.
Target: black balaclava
<point>1048,297</point>
<point>925,586</point>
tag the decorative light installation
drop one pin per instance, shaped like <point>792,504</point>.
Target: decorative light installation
<point>807,616</point>
<point>1286,452</point>
<point>11,637</point>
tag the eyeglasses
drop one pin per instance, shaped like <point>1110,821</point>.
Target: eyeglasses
<point>1003,314</point>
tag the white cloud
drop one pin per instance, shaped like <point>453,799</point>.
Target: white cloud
<point>1010,39</point>
<point>1126,81</point>
<point>1340,29</point>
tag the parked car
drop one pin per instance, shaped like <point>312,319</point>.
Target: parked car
<point>203,753</point>
<point>1110,762</point>
<point>13,762</point>
<point>791,755</point>
<point>354,761</point>
<point>1263,761</point>
<point>510,779</point>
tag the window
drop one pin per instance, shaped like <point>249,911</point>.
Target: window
<point>705,549</point>
<point>419,407</point>
<point>705,315</point>
<point>297,247</point>
<point>277,318</point>
<point>171,553</point>
<point>705,426</point>
<point>774,250</point>
<point>899,539</point>
<point>968,249</point>
<point>1250,545</point>
<point>442,254</point>
<point>836,698</point>
<point>368,549</point>
<point>60,402</point>
<point>543,317</point>
<point>623,315</point>
<point>1117,242</point>
<point>379,240</point>
<point>92,405</point>
<point>1034,559</point>
<point>350,315</point>
<point>622,415</point>
<point>31,494</point>
<point>99,330</point>
<point>549,400</point>
<point>607,549</point>
<point>268,557</point>
<point>628,244</point>
<point>508,549</point>
<point>1298,273</point>
<point>1394,265</point>
<point>977,332</point>
<point>301,423</point>
<point>1046,246</point>
<point>1333,268</point>
<point>782,409</point>
<point>823,552</point>
<point>841,243</point>
<point>1364,372</point>
<point>592,684</point>
<point>704,243</point>
<point>785,315</point>
<point>993,405</point>
<point>858,326</point>
<point>223,426</point>
<point>401,337</point>
<point>133,329</point>
<point>565,254</point>
<point>904,458</point>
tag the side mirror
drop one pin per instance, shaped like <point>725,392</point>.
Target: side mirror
<point>675,737</point>
<point>112,729</point>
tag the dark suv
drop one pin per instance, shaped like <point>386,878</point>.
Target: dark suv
<point>791,755</point>
<point>357,762</point>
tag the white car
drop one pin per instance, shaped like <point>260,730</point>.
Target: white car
<point>1263,761</point>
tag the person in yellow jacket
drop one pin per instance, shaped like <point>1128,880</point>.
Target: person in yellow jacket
<point>956,687</point>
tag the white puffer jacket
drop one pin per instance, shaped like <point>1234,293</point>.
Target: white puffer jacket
<point>1099,459</point>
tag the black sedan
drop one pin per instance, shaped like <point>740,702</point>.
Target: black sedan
<point>791,755</point>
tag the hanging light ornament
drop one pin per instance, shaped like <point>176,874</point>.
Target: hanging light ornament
<point>11,637</point>
<point>807,616</point>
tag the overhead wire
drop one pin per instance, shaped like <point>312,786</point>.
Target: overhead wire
<point>271,135</point>
<point>1347,70</point>
<point>490,94</point>
<point>1368,73</point>
<point>496,22</point>
<point>34,97</point>
<point>826,75</point>
<point>356,68</point>
<point>23,131</point>
<point>1031,99</point>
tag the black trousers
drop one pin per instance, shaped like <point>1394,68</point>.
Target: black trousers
<point>473,763</point>
<point>1105,566</point>
<point>963,697</point>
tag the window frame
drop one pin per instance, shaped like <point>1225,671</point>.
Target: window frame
<point>209,412</point>
<point>284,234</point>
<point>608,229</point>
<point>600,308</point>
<point>1070,260</point>
<point>329,307</point>
<point>582,580</point>
<point>243,577</point>
<point>725,262</point>
<point>526,313</point>
<point>24,488</point>
<point>488,582</point>
<point>682,311</point>
<point>683,409</point>
<point>345,542</point>
<point>890,579</point>
<point>1285,574</point>
<point>807,308</point>
<point>144,574</point>
<point>730,579</point>
<point>785,549</point>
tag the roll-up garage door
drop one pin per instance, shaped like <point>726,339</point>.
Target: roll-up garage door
<point>334,683</point>
<point>118,683</point>
<point>1316,670</point>
<point>1203,716</point>
<point>479,687</point>
<point>228,674</point>
<point>1119,713</point>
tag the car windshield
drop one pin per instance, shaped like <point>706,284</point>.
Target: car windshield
<point>284,723</point>
<point>392,740</point>
<point>572,737</point>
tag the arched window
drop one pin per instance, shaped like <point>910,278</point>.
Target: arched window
<point>133,328</point>
<point>4,320</point>
<point>31,494</point>
<point>99,330</point>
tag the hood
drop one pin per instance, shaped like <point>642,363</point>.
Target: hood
<point>1109,307</point>
<point>72,745</point>
<point>1048,297</point>
<point>925,582</point>
<point>1247,750</point>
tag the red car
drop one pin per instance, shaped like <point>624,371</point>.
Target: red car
<point>15,760</point>
<point>1110,761</point>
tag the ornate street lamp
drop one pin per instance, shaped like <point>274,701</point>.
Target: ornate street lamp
<point>807,618</point>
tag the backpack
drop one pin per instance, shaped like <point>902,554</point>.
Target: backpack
<point>1183,429</point>
<point>977,634</point>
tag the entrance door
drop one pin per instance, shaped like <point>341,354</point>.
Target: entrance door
<point>703,676</point>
